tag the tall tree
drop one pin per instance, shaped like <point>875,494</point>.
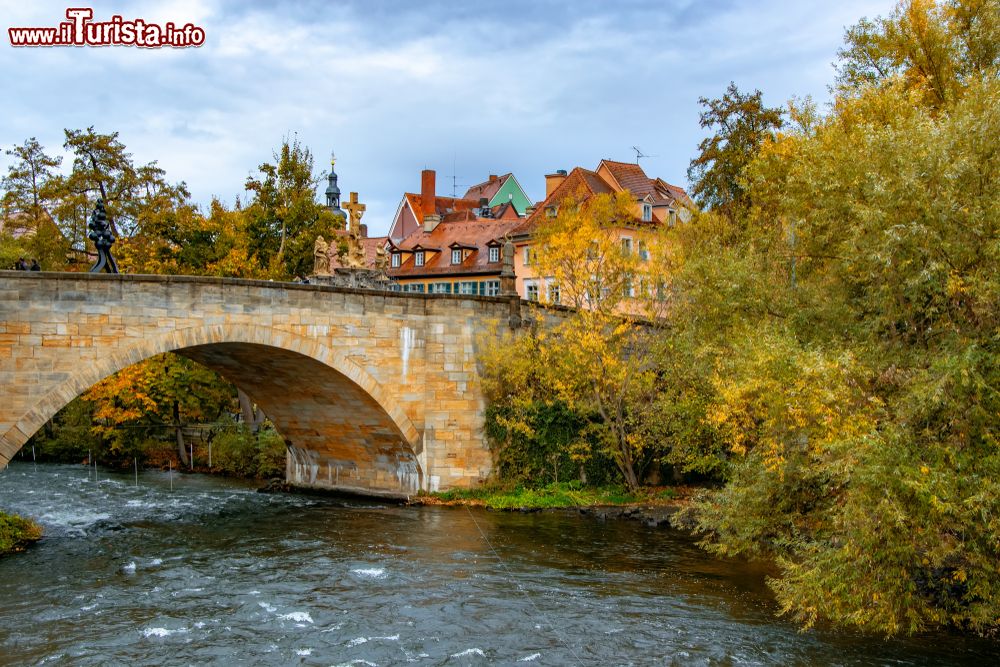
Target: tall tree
<point>741,123</point>
<point>604,362</point>
<point>283,216</point>
<point>29,199</point>
<point>102,167</point>
<point>933,47</point>
<point>858,402</point>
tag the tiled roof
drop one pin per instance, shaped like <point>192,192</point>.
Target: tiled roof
<point>442,205</point>
<point>580,184</point>
<point>630,177</point>
<point>487,189</point>
<point>472,233</point>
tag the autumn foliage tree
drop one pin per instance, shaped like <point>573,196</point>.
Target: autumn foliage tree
<point>604,362</point>
<point>850,317</point>
<point>741,123</point>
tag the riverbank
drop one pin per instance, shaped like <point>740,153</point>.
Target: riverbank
<point>17,533</point>
<point>652,506</point>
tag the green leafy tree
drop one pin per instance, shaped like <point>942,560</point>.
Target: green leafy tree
<point>850,319</point>
<point>28,201</point>
<point>741,123</point>
<point>283,216</point>
<point>936,48</point>
<point>134,196</point>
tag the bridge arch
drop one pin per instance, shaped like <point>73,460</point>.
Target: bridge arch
<point>340,424</point>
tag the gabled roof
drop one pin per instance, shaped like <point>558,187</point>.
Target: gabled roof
<point>475,235</point>
<point>629,177</point>
<point>580,184</point>
<point>487,189</point>
<point>442,205</point>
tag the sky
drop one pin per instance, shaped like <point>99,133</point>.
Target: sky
<point>396,86</point>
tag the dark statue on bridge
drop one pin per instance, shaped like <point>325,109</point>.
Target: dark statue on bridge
<point>100,233</point>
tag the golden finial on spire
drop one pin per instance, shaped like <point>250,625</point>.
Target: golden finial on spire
<point>333,158</point>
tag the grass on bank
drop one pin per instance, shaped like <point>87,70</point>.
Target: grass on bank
<point>17,533</point>
<point>563,494</point>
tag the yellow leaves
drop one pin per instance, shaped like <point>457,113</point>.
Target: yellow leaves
<point>774,397</point>
<point>956,285</point>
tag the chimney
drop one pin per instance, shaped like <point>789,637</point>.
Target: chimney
<point>493,177</point>
<point>427,192</point>
<point>553,181</point>
<point>431,222</point>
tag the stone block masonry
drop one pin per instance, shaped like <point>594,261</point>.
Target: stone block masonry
<point>375,392</point>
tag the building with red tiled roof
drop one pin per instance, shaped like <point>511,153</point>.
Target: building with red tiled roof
<point>453,245</point>
<point>656,203</point>
<point>501,195</point>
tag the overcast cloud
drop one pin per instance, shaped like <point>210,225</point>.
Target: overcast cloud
<point>466,88</point>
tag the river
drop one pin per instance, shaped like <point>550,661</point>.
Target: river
<point>212,572</point>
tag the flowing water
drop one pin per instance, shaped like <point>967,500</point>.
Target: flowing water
<point>213,572</point>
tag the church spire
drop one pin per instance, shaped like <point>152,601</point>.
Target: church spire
<point>333,191</point>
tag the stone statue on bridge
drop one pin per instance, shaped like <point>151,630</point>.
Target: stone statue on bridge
<point>355,257</point>
<point>321,257</point>
<point>102,236</point>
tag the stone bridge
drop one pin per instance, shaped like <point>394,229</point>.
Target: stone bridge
<point>374,392</point>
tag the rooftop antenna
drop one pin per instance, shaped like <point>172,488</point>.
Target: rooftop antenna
<point>639,154</point>
<point>454,178</point>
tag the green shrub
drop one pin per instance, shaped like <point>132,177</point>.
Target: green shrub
<point>16,533</point>
<point>237,451</point>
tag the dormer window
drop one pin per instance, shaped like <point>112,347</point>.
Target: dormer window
<point>647,212</point>
<point>456,256</point>
<point>550,211</point>
<point>396,260</point>
<point>418,258</point>
<point>494,254</point>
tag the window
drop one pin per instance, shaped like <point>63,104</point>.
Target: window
<point>553,288</point>
<point>672,218</point>
<point>413,287</point>
<point>531,290</point>
<point>418,258</point>
<point>661,291</point>
<point>456,256</point>
<point>647,212</point>
<point>441,288</point>
<point>491,287</point>
<point>643,251</point>
<point>395,260</point>
<point>550,211</point>
<point>629,286</point>
<point>527,255</point>
<point>467,288</point>
<point>494,253</point>
<point>627,245</point>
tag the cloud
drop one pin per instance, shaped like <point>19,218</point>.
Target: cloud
<point>395,87</point>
